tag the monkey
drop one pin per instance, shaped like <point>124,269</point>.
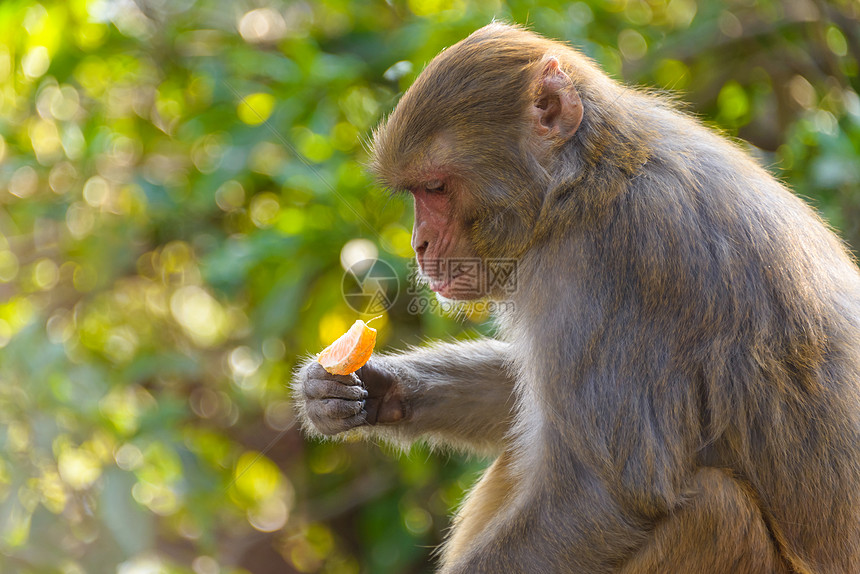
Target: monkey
<point>676,386</point>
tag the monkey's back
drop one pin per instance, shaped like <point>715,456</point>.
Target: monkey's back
<point>770,300</point>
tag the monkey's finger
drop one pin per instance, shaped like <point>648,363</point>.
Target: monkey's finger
<point>328,389</point>
<point>334,408</point>
<point>316,371</point>
<point>350,380</point>
<point>331,427</point>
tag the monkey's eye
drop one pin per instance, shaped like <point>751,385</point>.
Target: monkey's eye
<point>435,186</point>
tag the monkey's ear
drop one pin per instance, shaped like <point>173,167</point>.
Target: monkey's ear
<point>557,109</point>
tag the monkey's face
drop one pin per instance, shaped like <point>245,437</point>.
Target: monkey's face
<point>443,246</point>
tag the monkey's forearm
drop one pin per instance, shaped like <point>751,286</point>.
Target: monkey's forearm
<point>454,394</point>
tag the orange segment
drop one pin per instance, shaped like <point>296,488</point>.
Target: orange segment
<point>350,351</point>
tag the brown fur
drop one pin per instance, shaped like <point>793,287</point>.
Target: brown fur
<point>482,505</point>
<point>683,356</point>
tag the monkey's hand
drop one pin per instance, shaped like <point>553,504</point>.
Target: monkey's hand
<point>332,404</point>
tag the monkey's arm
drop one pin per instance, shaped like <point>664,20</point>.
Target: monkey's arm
<point>452,394</point>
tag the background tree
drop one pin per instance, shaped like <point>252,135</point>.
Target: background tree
<point>181,184</point>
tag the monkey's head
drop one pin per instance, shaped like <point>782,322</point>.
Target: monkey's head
<point>475,141</point>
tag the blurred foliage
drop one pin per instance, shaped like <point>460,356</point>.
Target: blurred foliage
<point>180,184</point>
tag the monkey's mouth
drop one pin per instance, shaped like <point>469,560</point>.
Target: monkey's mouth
<point>458,286</point>
<point>439,285</point>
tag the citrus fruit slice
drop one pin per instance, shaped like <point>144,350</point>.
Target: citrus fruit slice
<point>350,351</point>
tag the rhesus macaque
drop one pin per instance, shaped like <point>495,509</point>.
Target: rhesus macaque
<point>676,388</point>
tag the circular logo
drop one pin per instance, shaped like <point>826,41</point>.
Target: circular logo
<point>370,286</point>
